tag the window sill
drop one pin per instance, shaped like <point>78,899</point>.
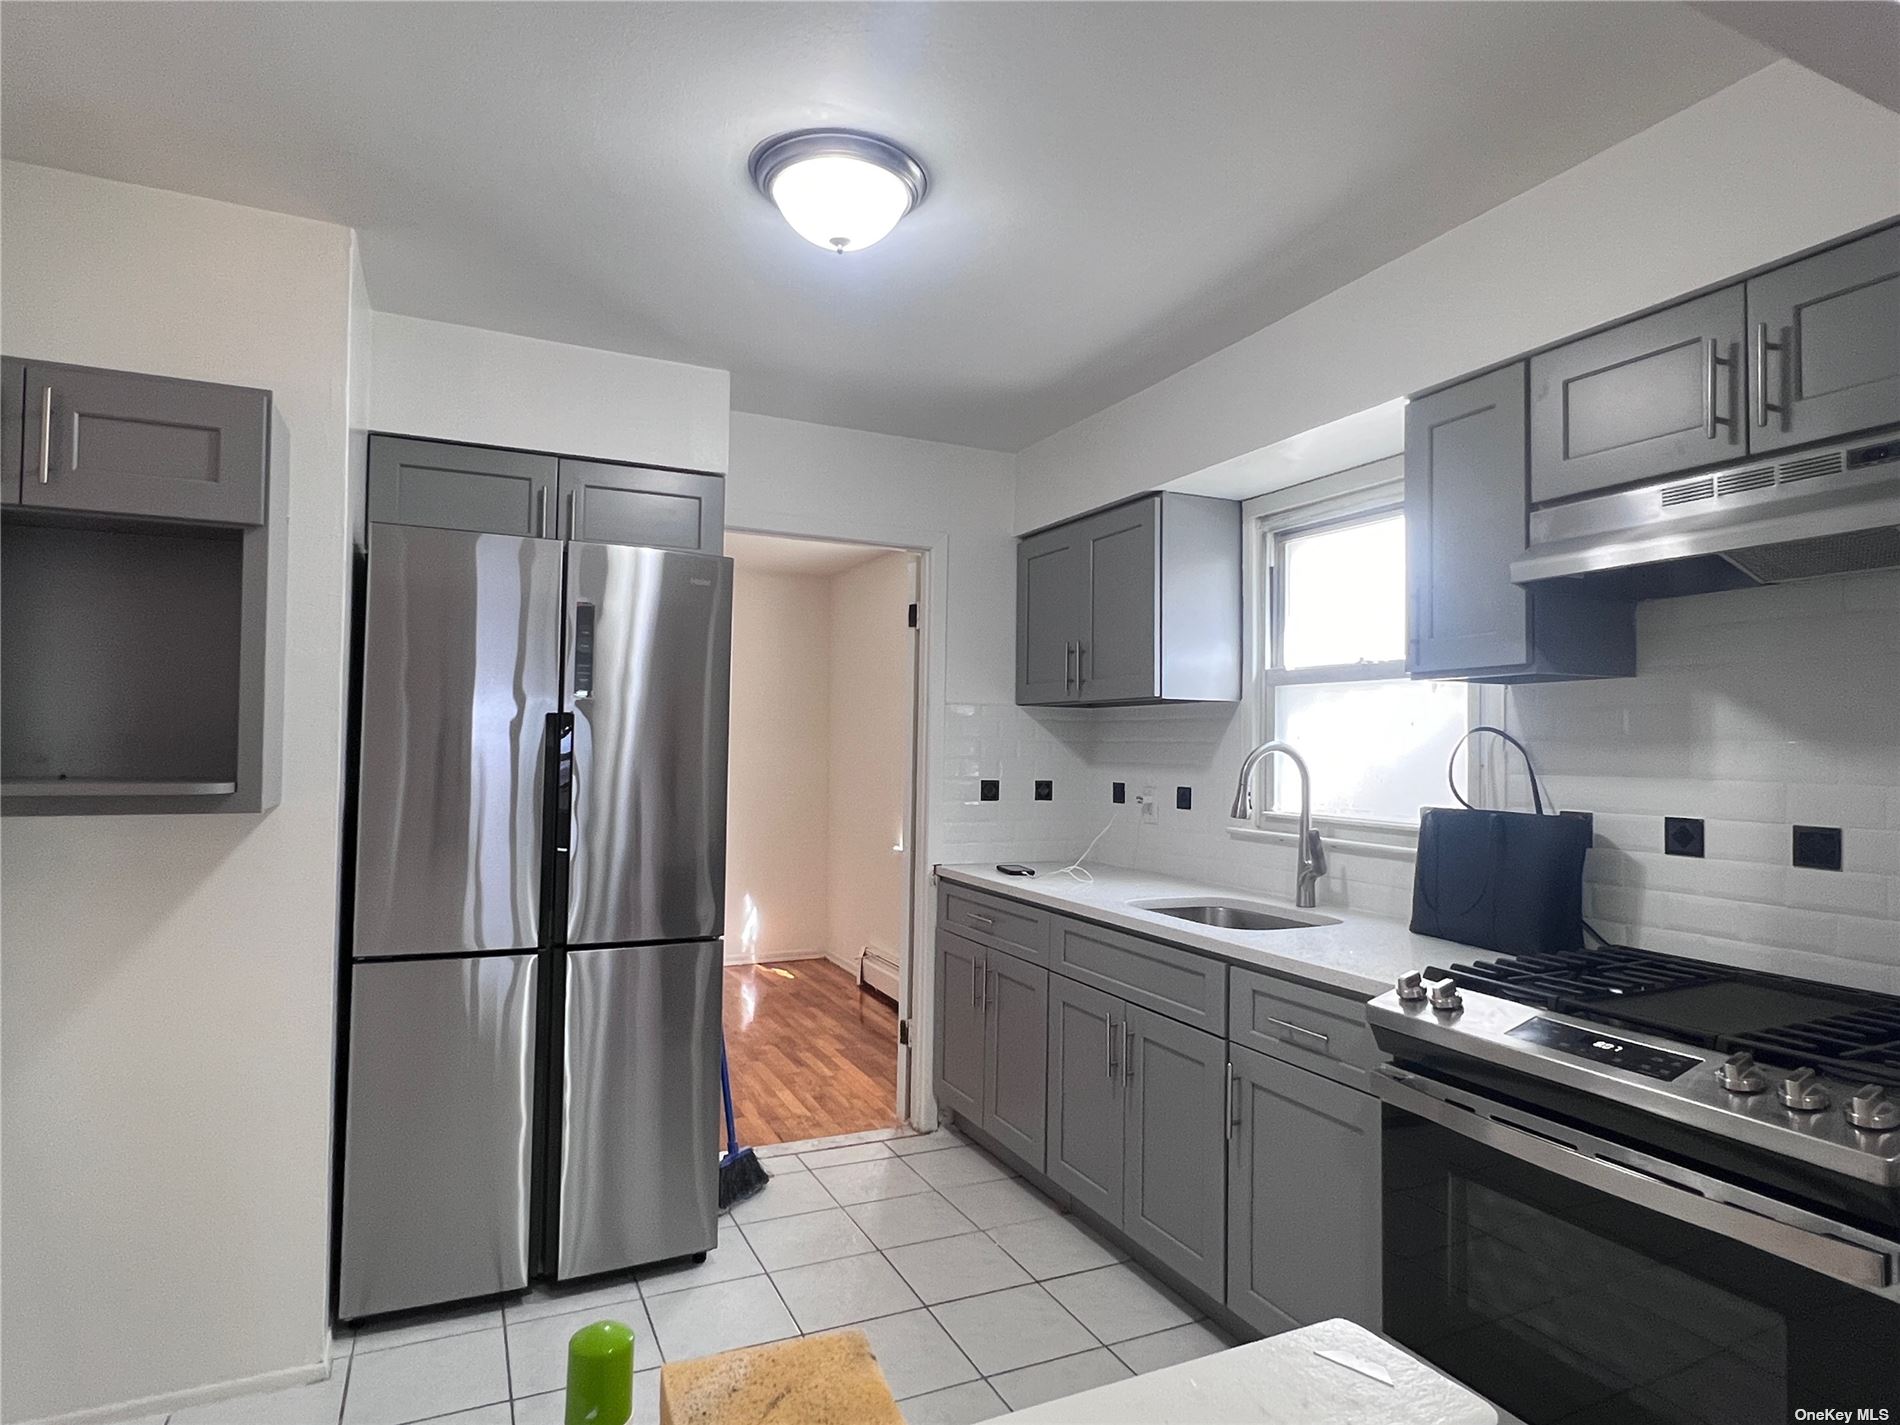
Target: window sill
<point>1390,841</point>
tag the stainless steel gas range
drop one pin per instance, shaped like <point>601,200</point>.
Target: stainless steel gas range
<point>1624,1188</point>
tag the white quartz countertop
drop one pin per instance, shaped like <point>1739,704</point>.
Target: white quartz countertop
<point>1331,1373</point>
<point>1357,953</point>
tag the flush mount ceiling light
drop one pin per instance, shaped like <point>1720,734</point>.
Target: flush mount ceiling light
<point>839,189</point>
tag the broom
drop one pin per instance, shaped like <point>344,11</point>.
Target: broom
<point>741,1174</point>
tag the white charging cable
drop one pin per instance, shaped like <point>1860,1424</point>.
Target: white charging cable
<point>1075,867</point>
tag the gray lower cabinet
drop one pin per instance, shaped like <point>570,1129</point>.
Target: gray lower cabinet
<point>122,443</point>
<point>1466,518</point>
<point>638,504</point>
<point>1016,1080</point>
<point>1644,399</point>
<point>1303,1198</point>
<point>960,1025</point>
<point>471,487</point>
<point>1085,1095</point>
<point>992,1028</point>
<point>1824,348</point>
<point>1137,603</point>
<point>1173,1199</point>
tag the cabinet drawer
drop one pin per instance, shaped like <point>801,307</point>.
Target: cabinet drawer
<point>1316,1029</point>
<point>1178,983</point>
<point>991,920</point>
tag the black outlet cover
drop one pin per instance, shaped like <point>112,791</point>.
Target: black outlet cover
<point>1118,792</point>
<point>1818,847</point>
<point>1045,791</point>
<point>1184,799</point>
<point>989,790</point>
<point>1682,836</point>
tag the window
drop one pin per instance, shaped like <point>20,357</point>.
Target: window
<point>1334,677</point>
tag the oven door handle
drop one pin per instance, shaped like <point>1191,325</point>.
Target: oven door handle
<point>1790,1233</point>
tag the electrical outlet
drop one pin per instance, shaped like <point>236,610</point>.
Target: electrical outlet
<point>1150,809</point>
<point>1682,836</point>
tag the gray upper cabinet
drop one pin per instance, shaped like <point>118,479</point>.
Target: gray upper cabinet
<point>469,487</point>
<point>1085,1095</point>
<point>1173,1195</point>
<point>636,504</point>
<point>116,442</point>
<point>12,406</point>
<point>1303,1198</point>
<point>1647,398</point>
<point>1465,521</point>
<point>1016,1081</point>
<point>1824,357</point>
<point>1467,507</point>
<point>960,1025</point>
<point>1051,591</point>
<point>1137,603</point>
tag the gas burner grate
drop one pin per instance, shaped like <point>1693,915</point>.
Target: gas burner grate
<point>1557,981</point>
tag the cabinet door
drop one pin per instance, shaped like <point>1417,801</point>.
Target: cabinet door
<point>1085,1095</point>
<point>1824,358</point>
<point>1465,521</point>
<point>120,443</point>
<point>461,487</point>
<point>960,1025</point>
<point>12,412</point>
<point>1051,586</point>
<point>1121,635</point>
<point>1174,1192</point>
<point>1641,400</point>
<point>1016,1078</point>
<point>631,504</point>
<point>1303,1206</point>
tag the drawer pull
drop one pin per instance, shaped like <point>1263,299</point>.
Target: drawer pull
<point>1324,1039</point>
<point>46,434</point>
<point>976,919</point>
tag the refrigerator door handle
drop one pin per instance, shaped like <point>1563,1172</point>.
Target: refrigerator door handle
<point>561,781</point>
<point>583,651</point>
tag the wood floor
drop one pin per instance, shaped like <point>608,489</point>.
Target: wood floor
<point>812,1054</point>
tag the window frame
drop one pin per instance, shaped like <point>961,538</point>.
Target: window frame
<point>1348,497</point>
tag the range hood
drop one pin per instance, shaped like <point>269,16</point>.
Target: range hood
<point>1813,513</point>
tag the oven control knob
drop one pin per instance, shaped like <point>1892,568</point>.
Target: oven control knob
<point>1412,987</point>
<point>1444,995</point>
<point>1739,1074</point>
<point>1874,1109</point>
<point>1802,1092</point>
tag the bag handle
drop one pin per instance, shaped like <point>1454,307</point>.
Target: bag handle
<point>1537,792</point>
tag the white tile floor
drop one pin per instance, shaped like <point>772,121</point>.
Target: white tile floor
<point>978,1294</point>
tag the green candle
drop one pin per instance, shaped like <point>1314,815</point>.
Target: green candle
<point>600,1374</point>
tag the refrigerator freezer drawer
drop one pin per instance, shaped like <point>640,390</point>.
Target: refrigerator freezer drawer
<point>436,1155</point>
<point>639,1150</point>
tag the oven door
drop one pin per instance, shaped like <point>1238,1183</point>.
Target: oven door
<point>1571,1279</point>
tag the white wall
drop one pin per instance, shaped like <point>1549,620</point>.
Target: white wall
<point>1780,161</point>
<point>870,761</point>
<point>169,981</point>
<point>778,823</point>
<point>448,382</point>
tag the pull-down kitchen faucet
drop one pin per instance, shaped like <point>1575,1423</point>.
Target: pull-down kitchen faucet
<point>1312,851</point>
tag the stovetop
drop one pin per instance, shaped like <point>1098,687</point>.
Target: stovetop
<point>1782,1020</point>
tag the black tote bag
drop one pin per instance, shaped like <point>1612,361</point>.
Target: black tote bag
<point>1507,881</point>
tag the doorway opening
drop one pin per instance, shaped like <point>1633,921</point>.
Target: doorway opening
<point>820,838</point>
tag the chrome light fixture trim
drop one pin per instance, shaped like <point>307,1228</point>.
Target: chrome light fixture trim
<point>775,155</point>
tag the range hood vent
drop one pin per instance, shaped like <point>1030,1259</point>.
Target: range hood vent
<point>1819,513</point>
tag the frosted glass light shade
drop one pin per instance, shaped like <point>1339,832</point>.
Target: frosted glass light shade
<point>838,189</point>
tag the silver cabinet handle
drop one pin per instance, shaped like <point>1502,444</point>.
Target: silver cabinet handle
<point>988,920</point>
<point>1759,393</point>
<point>1325,1040</point>
<point>1227,1101</point>
<point>46,435</point>
<point>573,530</point>
<point>975,998</point>
<point>1709,364</point>
<point>1108,1046</point>
<point>1128,1052</point>
<point>1081,652</point>
<point>541,513</point>
<point>982,983</point>
<point>1068,667</point>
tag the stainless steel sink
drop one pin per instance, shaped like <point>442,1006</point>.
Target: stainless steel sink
<point>1230,915</point>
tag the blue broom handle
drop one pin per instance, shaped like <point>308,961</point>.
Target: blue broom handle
<point>725,1089</point>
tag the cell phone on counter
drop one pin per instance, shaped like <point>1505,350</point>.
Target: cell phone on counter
<point>1012,868</point>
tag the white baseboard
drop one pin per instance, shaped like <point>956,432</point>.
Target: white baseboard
<point>774,956</point>
<point>198,1395</point>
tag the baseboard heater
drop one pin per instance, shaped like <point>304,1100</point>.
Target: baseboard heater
<point>877,969</point>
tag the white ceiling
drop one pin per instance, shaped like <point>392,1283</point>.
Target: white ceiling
<point>1117,190</point>
<point>777,554</point>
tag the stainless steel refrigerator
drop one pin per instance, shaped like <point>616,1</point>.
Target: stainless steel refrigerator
<point>533,1046</point>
